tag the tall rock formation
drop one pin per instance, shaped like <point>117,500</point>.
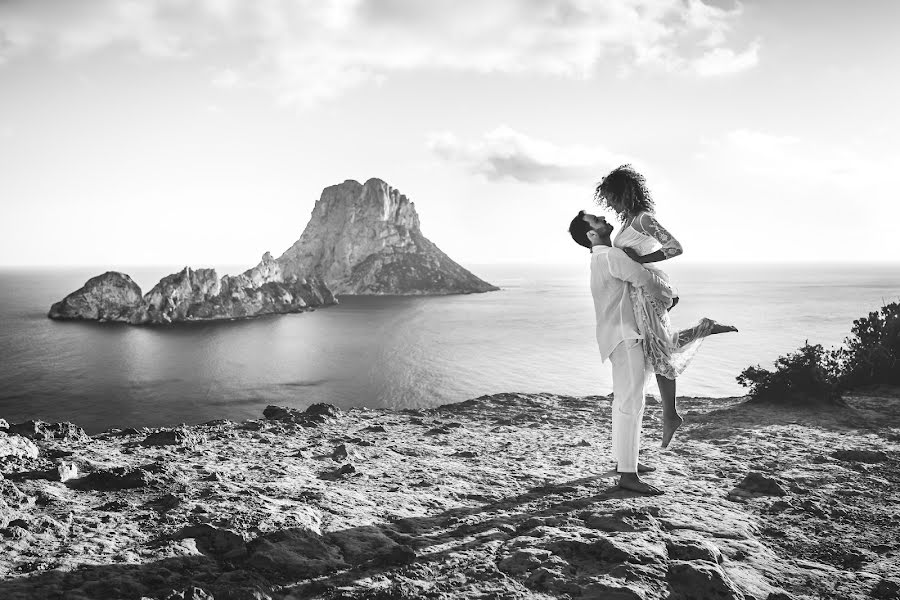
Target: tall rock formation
<point>194,295</point>
<point>365,239</point>
<point>361,239</point>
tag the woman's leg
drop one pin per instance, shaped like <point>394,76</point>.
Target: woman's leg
<point>671,419</point>
<point>704,328</point>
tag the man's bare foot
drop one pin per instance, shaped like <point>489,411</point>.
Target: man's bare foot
<point>670,426</point>
<point>633,483</point>
<point>720,328</point>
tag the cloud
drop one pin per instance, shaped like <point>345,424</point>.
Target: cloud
<point>226,78</point>
<point>305,51</point>
<point>724,61</point>
<point>507,154</point>
<point>787,160</point>
<point>71,29</point>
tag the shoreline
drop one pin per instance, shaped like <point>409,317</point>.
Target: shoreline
<point>504,496</point>
<point>651,399</point>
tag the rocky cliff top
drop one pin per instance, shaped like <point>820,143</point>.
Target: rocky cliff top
<point>505,496</point>
<point>366,239</point>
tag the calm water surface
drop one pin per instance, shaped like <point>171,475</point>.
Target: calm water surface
<point>534,335</point>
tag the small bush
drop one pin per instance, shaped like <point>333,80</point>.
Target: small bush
<point>810,375</point>
<point>871,354</point>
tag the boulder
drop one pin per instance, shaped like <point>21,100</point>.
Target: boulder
<point>218,542</point>
<point>690,549</point>
<point>366,239</point>
<point>691,580</point>
<point>11,495</point>
<point>112,296</point>
<point>340,453</point>
<point>39,430</point>
<point>465,454</point>
<point>338,473</point>
<point>859,455</point>
<point>322,412</point>
<point>190,593</point>
<point>300,553</point>
<point>117,478</point>
<point>63,471</point>
<point>312,416</point>
<point>369,545</point>
<point>166,502</point>
<point>294,554</point>
<point>757,483</point>
<point>887,589</point>
<point>605,549</point>
<point>181,436</point>
<point>523,561</point>
<point>17,446</point>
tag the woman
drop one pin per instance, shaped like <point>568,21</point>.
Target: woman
<point>668,352</point>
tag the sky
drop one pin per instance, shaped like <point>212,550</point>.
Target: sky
<point>201,132</point>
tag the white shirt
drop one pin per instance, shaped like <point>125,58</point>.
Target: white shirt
<point>612,272</point>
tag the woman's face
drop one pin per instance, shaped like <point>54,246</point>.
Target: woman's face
<point>614,203</point>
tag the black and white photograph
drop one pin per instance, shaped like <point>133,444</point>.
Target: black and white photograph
<point>449,299</point>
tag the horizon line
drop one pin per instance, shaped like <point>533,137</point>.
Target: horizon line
<point>179,266</point>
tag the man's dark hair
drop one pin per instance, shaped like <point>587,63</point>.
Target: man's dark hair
<point>578,229</point>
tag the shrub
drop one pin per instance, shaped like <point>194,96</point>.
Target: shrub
<point>872,352</point>
<point>870,356</point>
<point>810,375</point>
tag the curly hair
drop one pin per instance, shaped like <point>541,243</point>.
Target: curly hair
<point>628,189</point>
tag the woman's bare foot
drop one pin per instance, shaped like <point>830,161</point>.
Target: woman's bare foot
<point>720,328</point>
<point>670,426</point>
<point>633,483</point>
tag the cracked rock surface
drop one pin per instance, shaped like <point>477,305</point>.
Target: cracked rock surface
<point>504,496</point>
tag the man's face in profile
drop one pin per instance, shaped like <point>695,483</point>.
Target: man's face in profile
<point>598,224</point>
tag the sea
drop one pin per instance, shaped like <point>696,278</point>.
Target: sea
<point>534,335</point>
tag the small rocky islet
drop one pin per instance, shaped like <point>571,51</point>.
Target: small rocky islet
<point>503,496</point>
<point>361,239</point>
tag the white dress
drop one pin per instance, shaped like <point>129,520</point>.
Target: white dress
<point>667,352</point>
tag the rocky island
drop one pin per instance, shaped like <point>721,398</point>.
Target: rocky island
<point>194,295</point>
<point>509,496</point>
<point>365,239</point>
<point>361,239</point>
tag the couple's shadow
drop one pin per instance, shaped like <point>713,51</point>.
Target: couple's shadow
<point>454,530</point>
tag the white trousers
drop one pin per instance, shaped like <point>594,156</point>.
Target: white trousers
<point>629,377</point>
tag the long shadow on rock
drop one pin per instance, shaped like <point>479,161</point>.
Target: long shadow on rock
<point>129,581</point>
<point>300,563</point>
<point>456,531</point>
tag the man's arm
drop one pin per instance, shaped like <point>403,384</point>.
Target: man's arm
<point>622,267</point>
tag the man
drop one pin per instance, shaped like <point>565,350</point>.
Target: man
<point>612,272</point>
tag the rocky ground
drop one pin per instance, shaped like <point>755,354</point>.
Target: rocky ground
<point>505,496</point>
